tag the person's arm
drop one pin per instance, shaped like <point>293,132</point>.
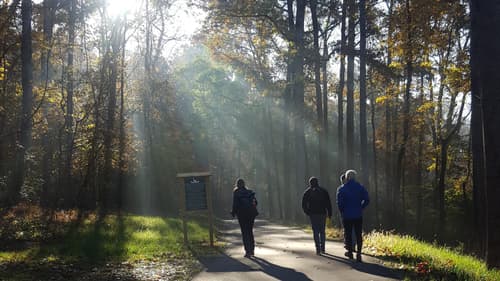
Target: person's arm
<point>235,205</point>
<point>328,204</point>
<point>340,201</point>
<point>305,203</point>
<point>365,198</point>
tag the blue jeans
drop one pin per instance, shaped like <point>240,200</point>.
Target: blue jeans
<point>318,222</point>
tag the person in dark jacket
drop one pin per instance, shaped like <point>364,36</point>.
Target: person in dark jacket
<point>352,198</point>
<point>317,205</point>
<point>245,208</point>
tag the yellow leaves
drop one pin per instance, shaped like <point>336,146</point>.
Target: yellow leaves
<point>431,167</point>
<point>396,65</point>
<point>427,106</point>
<point>426,64</point>
<point>382,99</point>
<point>3,70</point>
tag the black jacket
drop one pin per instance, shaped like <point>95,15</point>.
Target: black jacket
<point>240,197</point>
<point>316,200</point>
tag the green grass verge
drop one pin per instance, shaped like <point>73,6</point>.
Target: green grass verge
<point>117,238</point>
<point>424,261</point>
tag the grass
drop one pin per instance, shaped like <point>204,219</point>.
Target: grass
<point>424,261</point>
<point>30,243</point>
<point>117,238</point>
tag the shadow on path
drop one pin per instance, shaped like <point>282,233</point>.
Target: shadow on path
<point>224,263</point>
<point>370,268</point>
<point>280,272</point>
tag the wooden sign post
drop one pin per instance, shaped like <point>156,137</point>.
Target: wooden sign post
<point>195,195</point>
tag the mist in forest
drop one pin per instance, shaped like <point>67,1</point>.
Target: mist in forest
<point>103,103</point>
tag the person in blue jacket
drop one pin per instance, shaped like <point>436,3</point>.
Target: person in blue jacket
<point>245,208</point>
<point>352,198</point>
<point>342,182</point>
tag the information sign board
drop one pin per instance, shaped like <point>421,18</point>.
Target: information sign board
<point>196,194</point>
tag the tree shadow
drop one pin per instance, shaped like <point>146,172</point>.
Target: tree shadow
<point>89,251</point>
<point>91,243</point>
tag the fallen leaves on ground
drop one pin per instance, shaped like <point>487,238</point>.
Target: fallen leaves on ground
<point>141,270</point>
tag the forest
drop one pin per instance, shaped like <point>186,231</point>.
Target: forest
<point>104,102</point>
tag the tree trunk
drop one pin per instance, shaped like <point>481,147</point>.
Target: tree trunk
<point>25,138</point>
<point>362,93</point>
<point>350,86</point>
<point>109,133</point>
<point>326,138</point>
<point>68,167</point>
<point>298,82</point>
<point>340,91</point>
<point>48,13</point>
<point>375,165</point>
<point>420,156</point>
<point>323,155</point>
<point>122,142</point>
<point>388,156</point>
<point>398,191</point>
<point>478,184</point>
<point>487,15</point>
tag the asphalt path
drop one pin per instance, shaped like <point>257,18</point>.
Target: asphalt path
<point>286,253</point>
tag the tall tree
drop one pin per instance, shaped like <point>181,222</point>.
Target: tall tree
<point>362,92</point>
<point>485,17</point>
<point>408,58</point>
<point>25,137</point>
<point>351,36</point>
<point>48,15</point>
<point>478,184</point>
<point>69,122</point>
<point>317,85</point>
<point>340,91</point>
<point>297,75</point>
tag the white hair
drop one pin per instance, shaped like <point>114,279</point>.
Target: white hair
<point>350,174</point>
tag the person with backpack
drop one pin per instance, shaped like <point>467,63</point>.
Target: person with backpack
<point>245,208</point>
<point>352,198</point>
<point>317,205</point>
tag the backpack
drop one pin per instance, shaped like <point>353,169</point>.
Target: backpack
<point>248,203</point>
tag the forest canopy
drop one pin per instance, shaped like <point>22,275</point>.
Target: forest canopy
<point>102,103</point>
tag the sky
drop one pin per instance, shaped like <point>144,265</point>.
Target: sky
<point>185,20</point>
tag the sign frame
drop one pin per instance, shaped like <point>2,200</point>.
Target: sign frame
<point>208,197</point>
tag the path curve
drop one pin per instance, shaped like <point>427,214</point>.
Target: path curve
<point>286,253</point>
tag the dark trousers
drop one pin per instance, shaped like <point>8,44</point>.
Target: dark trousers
<point>246,225</point>
<point>349,225</point>
<point>318,222</point>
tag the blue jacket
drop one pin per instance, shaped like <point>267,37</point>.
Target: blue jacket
<point>352,198</point>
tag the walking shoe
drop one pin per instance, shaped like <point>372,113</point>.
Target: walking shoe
<point>348,254</point>
<point>248,255</point>
<point>358,257</point>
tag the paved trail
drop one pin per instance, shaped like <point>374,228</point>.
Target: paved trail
<point>285,253</point>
